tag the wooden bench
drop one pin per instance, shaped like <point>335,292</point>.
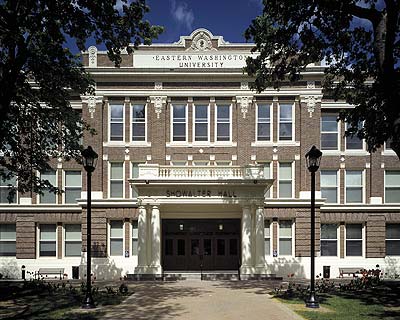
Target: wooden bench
<point>350,271</point>
<point>51,271</point>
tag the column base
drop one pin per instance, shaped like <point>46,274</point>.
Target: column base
<point>151,270</point>
<point>261,269</point>
<point>246,270</point>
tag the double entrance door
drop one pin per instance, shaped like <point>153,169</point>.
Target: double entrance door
<point>200,244</point>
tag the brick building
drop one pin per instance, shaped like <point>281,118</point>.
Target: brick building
<point>196,171</point>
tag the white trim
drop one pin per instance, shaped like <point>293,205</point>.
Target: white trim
<point>261,142</point>
<point>356,152</point>
<point>337,184</point>
<point>109,238</point>
<point>64,240</point>
<point>205,142</point>
<point>337,240</point>
<point>227,142</point>
<point>363,242</point>
<point>110,104</point>
<point>338,127</point>
<point>285,237</point>
<point>132,142</point>
<point>39,174</point>
<point>293,123</point>
<point>38,256</point>
<point>109,179</point>
<point>63,184</point>
<point>184,142</point>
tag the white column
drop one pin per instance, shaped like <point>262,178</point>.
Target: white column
<point>246,267</point>
<point>155,238</point>
<point>259,241</point>
<point>142,243</point>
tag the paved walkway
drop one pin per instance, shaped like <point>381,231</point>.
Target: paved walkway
<point>205,300</point>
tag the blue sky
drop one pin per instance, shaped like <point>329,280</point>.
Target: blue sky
<point>228,18</point>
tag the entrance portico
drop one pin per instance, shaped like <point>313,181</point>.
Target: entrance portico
<point>200,197</point>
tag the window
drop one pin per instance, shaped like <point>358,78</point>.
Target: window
<point>5,190</point>
<point>179,163</point>
<point>354,142</point>
<point>116,180</point>
<point>47,240</point>
<point>116,238</point>
<point>223,130</point>
<point>263,122</point>
<point>135,175</point>
<point>392,186</point>
<point>178,123</point>
<point>73,240</point>
<point>329,185</point>
<point>354,240</point>
<point>200,163</point>
<point>201,123</point>
<point>285,180</point>
<point>73,186</point>
<point>285,122</point>
<point>267,175</point>
<point>134,238</point>
<point>329,132</point>
<point>354,186</point>
<point>48,196</point>
<point>116,122</point>
<point>285,238</point>
<point>328,239</point>
<point>7,240</point>
<point>138,122</point>
<point>267,238</point>
<point>223,163</point>
<point>393,239</point>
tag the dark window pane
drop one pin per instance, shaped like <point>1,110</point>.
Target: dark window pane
<point>264,111</point>
<point>233,247</point>
<point>329,141</point>
<point>73,249</point>
<point>201,112</point>
<point>47,248</point>
<point>138,132</point>
<point>393,231</point>
<point>179,112</point>
<point>353,231</point>
<point>181,247</point>
<point>195,247</point>
<point>7,249</point>
<point>263,131</point>
<point>328,248</point>
<point>169,247</point>
<point>179,133</point>
<point>223,112</point>
<point>223,133</point>
<point>207,247</point>
<point>393,247</point>
<point>353,248</point>
<point>285,131</point>
<point>201,132</point>
<point>116,132</point>
<point>138,112</point>
<point>221,247</point>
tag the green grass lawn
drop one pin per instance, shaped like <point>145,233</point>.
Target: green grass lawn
<point>18,302</point>
<point>377,303</point>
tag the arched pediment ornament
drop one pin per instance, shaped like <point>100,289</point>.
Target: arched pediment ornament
<point>201,42</point>
<point>92,57</point>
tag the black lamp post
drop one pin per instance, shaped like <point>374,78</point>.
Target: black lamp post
<point>89,158</point>
<point>313,158</point>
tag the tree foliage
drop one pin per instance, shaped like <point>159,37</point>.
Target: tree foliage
<point>39,73</point>
<point>359,40</point>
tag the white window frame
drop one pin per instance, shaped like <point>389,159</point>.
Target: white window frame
<point>362,187</point>
<point>131,107</point>
<point>133,221</point>
<point>38,227</point>
<point>132,163</point>
<point>292,179</point>
<point>16,194</point>
<point>285,237</point>
<point>123,123</point>
<point>338,134</point>
<point>38,197</point>
<point>293,123</point>
<point>109,179</point>
<point>362,241</point>
<point>9,240</point>
<point>391,239</point>
<point>271,176</point>
<point>65,240</point>
<point>204,142</point>
<point>226,142</point>
<point>331,240</point>
<point>64,185</point>
<point>109,238</point>
<point>183,142</point>
<point>269,222</point>
<point>337,185</point>
<point>270,124</point>
<point>385,187</point>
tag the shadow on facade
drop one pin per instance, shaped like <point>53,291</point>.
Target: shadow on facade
<point>103,268</point>
<point>391,268</point>
<point>9,269</point>
<point>286,267</point>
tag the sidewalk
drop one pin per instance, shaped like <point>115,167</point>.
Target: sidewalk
<point>205,300</point>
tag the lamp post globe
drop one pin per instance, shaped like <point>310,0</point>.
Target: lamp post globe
<point>313,159</point>
<point>89,160</point>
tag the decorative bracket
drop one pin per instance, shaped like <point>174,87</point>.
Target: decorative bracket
<point>92,57</point>
<point>92,101</point>
<point>158,102</point>
<point>311,102</point>
<point>245,102</point>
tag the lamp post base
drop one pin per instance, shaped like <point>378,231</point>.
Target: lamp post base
<point>312,301</point>
<point>88,303</point>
